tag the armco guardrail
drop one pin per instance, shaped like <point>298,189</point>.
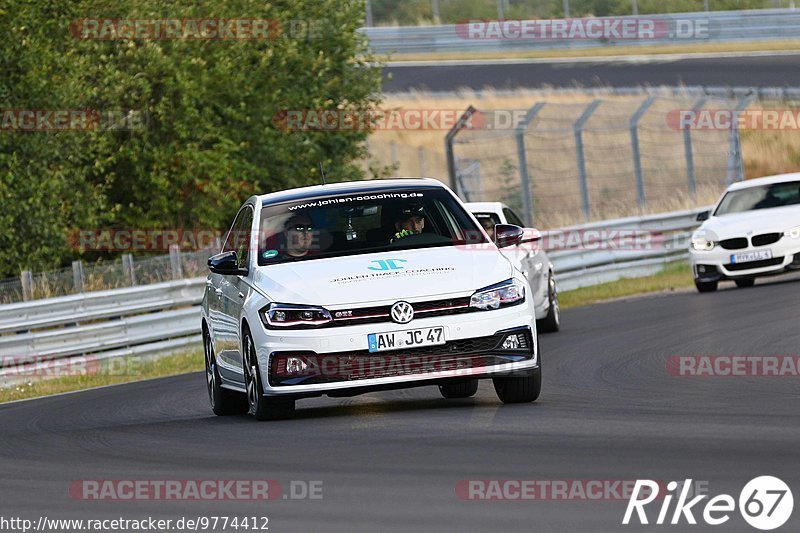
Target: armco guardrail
<point>591,261</point>
<point>154,319</point>
<point>716,26</point>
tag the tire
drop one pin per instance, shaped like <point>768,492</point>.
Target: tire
<point>552,322</point>
<point>260,406</point>
<point>223,401</point>
<point>706,286</point>
<point>460,389</point>
<point>523,389</point>
<point>745,283</point>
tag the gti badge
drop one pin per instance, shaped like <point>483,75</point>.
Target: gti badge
<point>402,312</point>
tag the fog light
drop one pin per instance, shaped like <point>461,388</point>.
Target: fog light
<point>515,341</point>
<point>295,365</point>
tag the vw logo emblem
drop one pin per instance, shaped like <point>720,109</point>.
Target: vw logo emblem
<point>402,312</point>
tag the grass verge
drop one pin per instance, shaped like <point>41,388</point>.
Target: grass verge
<point>673,277</point>
<point>179,363</point>
<point>610,51</point>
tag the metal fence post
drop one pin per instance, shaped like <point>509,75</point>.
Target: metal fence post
<point>581,159</point>
<point>687,148</point>
<point>524,179</point>
<point>26,279</point>
<point>423,172</point>
<point>448,148</point>
<point>175,261</point>
<point>637,156</point>
<point>735,165</point>
<point>77,275</point>
<point>127,268</point>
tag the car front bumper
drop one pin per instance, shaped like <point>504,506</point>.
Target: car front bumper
<point>716,265</point>
<point>411,367</point>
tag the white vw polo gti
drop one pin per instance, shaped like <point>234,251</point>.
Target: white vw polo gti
<point>355,287</point>
<point>753,231</point>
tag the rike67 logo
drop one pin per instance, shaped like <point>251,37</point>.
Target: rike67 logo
<point>765,503</point>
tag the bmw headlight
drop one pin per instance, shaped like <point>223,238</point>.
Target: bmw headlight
<point>702,244</point>
<point>509,292</point>
<point>794,233</point>
<point>294,315</point>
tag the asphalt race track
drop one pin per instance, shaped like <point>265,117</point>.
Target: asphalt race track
<point>391,461</point>
<point>759,71</point>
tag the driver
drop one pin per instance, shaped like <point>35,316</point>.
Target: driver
<point>410,221</point>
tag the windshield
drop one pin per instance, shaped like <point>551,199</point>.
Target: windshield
<point>351,224</point>
<point>762,197</point>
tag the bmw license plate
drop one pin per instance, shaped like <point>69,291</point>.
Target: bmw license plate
<point>412,338</point>
<point>749,257</point>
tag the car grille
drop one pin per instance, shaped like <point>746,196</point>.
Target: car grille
<point>357,365</point>
<point>755,264</point>
<point>766,239</point>
<point>378,314</point>
<point>739,243</point>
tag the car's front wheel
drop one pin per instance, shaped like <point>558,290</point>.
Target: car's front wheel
<point>522,389</point>
<point>261,407</point>
<point>706,286</point>
<point>460,389</point>
<point>552,322</point>
<point>223,401</point>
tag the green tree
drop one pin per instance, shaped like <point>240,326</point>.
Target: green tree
<point>208,139</point>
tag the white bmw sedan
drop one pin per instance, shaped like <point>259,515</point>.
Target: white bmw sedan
<point>355,287</point>
<point>753,231</point>
<point>530,258</point>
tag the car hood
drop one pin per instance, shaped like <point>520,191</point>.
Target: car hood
<point>367,278</point>
<point>775,220</point>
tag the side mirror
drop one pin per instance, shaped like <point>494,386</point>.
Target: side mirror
<point>225,263</point>
<point>506,235</point>
<point>702,217</point>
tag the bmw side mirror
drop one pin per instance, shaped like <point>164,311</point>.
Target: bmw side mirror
<point>506,235</point>
<point>702,217</point>
<point>225,263</point>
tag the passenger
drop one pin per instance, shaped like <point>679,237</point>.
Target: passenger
<point>298,236</point>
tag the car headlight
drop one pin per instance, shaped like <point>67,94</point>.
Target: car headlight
<point>294,315</point>
<point>509,292</point>
<point>794,233</point>
<point>702,244</point>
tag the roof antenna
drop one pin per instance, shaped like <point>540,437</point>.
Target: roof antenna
<point>322,173</point>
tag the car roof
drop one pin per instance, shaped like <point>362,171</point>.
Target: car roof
<point>485,207</point>
<point>349,187</point>
<point>768,180</point>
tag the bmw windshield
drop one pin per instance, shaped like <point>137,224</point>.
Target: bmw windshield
<point>331,226</point>
<point>761,197</point>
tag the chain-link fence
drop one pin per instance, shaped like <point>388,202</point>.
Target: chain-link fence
<point>412,12</point>
<point>566,163</point>
<point>127,271</point>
